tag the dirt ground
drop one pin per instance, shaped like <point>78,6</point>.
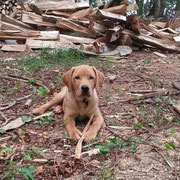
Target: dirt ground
<point>140,138</point>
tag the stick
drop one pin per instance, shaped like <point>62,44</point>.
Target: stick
<point>14,102</point>
<point>6,119</point>
<point>79,144</point>
<point>23,79</point>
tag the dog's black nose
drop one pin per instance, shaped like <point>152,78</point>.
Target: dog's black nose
<point>85,88</point>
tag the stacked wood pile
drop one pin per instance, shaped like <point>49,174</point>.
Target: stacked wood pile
<point>7,6</point>
<point>103,31</point>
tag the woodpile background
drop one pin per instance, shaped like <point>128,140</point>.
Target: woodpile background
<point>108,30</point>
<point>7,7</point>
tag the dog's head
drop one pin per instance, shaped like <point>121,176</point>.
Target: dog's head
<point>83,80</point>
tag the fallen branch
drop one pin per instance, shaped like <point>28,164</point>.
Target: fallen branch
<point>13,103</point>
<point>23,79</point>
<point>146,96</point>
<point>19,122</point>
<point>79,144</point>
<point>4,117</point>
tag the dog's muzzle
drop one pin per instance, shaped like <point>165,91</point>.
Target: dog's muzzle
<point>85,90</point>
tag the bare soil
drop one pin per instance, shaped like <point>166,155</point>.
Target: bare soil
<point>144,127</point>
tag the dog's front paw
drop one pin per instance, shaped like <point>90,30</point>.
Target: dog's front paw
<point>39,110</point>
<point>90,135</point>
<point>74,133</point>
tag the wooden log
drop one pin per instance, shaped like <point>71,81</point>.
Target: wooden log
<point>41,35</point>
<point>11,20</point>
<point>76,40</point>
<point>158,43</point>
<point>35,9</point>
<point>33,18</point>
<point>16,48</point>
<point>62,5</point>
<point>69,25</point>
<point>81,14</point>
<point>38,44</point>
<point>101,14</point>
<point>59,13</point>
<point>117,9</point>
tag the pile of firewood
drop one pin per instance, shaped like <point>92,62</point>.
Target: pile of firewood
<point>102,31</point>
<point>7,7</point>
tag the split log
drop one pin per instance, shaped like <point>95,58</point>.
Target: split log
<point>161,44</point>
<point>101,14</point>
<point>16,22</point>
<point>62,5</point>
<point>81,14</point>
<point>38,44</point>
<point>69,25</point>
<point>117,9</point>
<point>16,48</point>
<point>74,39</point>
<point>33,18</point>
<point>59,13</point>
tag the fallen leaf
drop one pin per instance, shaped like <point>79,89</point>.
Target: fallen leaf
<point>39,170</point>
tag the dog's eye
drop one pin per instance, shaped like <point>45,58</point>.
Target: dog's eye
<point>77,77</point>
<point>91,77</point>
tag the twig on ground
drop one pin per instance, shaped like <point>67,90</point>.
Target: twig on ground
<point>23,79</point>
<point>145,96</point>
<point>168,162</point>
<point>13,103</point>
<point>79,144</point>
<point>4,117</point>
<point>173,112</point>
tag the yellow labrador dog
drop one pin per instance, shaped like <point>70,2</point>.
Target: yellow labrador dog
<point>79,99</point>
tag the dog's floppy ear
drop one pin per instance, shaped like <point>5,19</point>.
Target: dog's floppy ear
<point>67,78</point>
<point>99,78</point>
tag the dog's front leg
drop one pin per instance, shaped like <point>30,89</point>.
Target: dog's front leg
<point>71,129</point>
<point>95,127</point>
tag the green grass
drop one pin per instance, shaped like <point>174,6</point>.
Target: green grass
<point>50,58</point>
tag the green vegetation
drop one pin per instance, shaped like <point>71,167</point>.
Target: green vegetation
<point>53,57</point>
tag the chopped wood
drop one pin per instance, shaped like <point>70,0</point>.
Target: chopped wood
<point>117,9</point>
<point>101,14</point>
<point>159,24</point>
<point>16,48</point>
<point>16,22</point>
<point>177,107</point>
<point>59,13</point>
<point>69,25</point>
<point>177,38</point>
<point>132,7</point>
<point>35,9</point>
<point>38,44</point>
<point>33,18</point>
<point>75,39</point>
<point>81,14</point>
<point>175,24</point>
<point>161,44</point>
<point>62,5</point>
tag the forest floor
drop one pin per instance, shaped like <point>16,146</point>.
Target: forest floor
<point>140,138</point>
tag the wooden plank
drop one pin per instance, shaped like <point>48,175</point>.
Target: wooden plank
<point>38,44</point>
<point>42,35</point>
<point>59,13</point>
<point>16,22</point>
<point>32,18</point>
<point>9,26</point>
<point>62,5</point>
<point>159,24</point>
<point>161,44</point>
<point>74,39</point>
<point>16,48</point>
<point>101,14</point>
<point>81,14</point>
<point>69,25</point>
<point>117,9</point>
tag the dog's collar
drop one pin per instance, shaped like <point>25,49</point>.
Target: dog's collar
<point>85,101</point>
